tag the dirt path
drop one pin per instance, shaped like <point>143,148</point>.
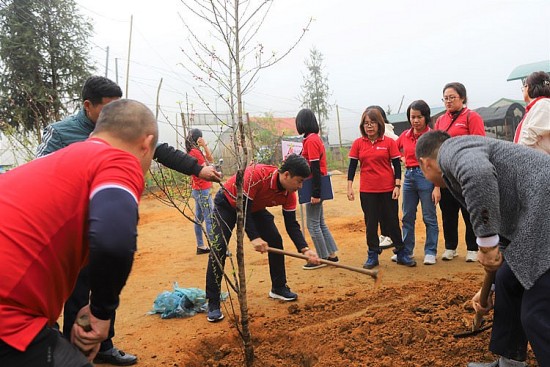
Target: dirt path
<point>340,318</point>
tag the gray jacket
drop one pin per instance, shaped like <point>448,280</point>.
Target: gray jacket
<point>506,189</point>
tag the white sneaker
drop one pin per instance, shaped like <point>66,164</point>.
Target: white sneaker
<point>449,255</point>
<point>429,260</point>
<point>385,242</point>
<point>394,258</point>
<point>471,256</point>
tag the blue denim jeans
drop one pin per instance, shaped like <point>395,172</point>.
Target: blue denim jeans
<point>417,188</point>
<point>319,232</point>
<point>203,213</point>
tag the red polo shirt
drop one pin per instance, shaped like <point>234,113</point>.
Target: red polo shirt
<point>260,185</point>
<point>198,183</point>
<point>407,145</point>
<point>375,158</point>
<point>43,230</point>
<point>314,150</point>
<point>467,123</point>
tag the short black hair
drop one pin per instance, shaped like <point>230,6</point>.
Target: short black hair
<point>538,84</point>
<point>428,144</point>
<point>296,165</point>
<point>459,88</point>
<point>306,122</point>
<point>98,87</point>
<point>420,105</point>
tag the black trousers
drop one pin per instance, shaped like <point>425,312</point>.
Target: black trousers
<point>48,349</point>
<point>224,219</point>
<point>78,299</point>
<point>380,208</point>
<point>521,316</point>
<point>449,211</point>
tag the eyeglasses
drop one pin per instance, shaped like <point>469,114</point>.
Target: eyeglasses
<point>369,123</point>
<point>449,98</point>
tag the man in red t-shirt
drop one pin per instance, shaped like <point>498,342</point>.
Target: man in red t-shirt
<point>263,186</point>
<point>74,207</point>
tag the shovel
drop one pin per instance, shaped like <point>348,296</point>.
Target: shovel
<point>477,325</point>
<point>372,273</point>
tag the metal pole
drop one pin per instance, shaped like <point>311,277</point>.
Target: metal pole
<point>116,69</point>
<point>129,49</point>
<point>107,63</point>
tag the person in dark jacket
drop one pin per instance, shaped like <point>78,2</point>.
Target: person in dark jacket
<point>508,200</point>
<point>97,92</point>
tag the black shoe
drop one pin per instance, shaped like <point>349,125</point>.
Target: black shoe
<point>115,357</point>
<point>478,364</point>
<point>201,251</point>
<point>283,293</point>
<point>334,259</point>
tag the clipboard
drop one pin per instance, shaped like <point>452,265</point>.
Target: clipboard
<point>304,194</point>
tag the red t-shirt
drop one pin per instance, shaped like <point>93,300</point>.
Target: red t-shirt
<point>406,143</point>
<point>467,123</point>
<point>314,150</point>
<point>260,185</point>
<point>43,230</point>
<point>199,183</point>
<point>375,159</point>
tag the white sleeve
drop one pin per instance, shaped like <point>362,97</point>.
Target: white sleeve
<point>536,126</point>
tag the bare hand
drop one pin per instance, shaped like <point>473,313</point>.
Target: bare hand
<point>490,258</point>
<point>312,257</point>
<point>436,195</point>
<point>209,173</point>
<point>89,341</point>
<point>259,245</point>
<point>201,142</point>
<point>351,196</point>
<point>477,305</point>
<point>395,193</point>
<point>315,200</point>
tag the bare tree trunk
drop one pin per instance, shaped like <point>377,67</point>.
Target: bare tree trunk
<point>247,340</point>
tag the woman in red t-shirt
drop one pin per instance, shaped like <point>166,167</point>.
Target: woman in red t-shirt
<point>458,120</point>
<point>313,150</point>
<point>200,188</point>
<point>379,185</point>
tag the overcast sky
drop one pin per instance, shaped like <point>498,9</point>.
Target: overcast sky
<point>375,52</point>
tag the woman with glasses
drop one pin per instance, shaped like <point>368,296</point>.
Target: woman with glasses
<point>379,185</point>
<point>534,129</point>
<point>457,120</point>
<point>416,188</point>
<point>385,240</point>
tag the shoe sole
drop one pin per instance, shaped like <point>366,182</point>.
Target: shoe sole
<point>471,260</point>
<point>410,265</point>
<point>215,320</point>
<point>429,263</point>
<point>276,296</point>
<point>385,247</point>
<point>101,360</point>
<point>314,267</point>
<point>448,259</point>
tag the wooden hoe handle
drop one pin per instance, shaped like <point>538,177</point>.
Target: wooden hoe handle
<point>372,273</point>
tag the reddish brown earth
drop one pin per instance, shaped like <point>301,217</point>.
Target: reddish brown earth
<point>340,319</point>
